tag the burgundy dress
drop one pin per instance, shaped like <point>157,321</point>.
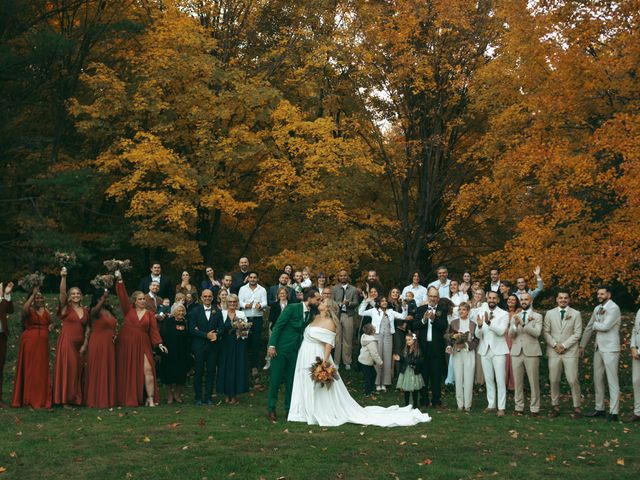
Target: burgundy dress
<point>32,386</point>
<point>67,373</point>
<point>100,377</point>
<point>135,341</point>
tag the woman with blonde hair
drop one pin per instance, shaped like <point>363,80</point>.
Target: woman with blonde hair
<point>334,406</point>
<point>72,344</point>
<point>135,367</point>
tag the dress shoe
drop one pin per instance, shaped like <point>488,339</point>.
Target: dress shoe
<point>517,413</point>
<point>577,413</point>
<point>501,413</point>
<point>489,410</point>
<point>198,403</point>
<point>209,402</point>
<point>633,418</point>
<point>595,414</point>
<point>613,417</point>
<point>555,411</point>
<point>347,367</point>
<point>535,414</point>
<point>272,416</point>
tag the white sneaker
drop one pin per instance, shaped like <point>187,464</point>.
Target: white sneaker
<point>378,388</point>
<point>383,388</point>
<point>267,365</point>
<point>347,367</point>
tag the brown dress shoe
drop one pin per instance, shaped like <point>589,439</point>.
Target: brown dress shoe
<point>577,413</point>
<point>555,411</point>
<point>272,416</point>
<point>501,413</point>
<point>489,410</point>
<point>633,418</point>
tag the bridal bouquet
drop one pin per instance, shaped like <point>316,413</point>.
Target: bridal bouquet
<point>31,281</point>
<point>102,282</point>
<point>458,339</point>
<point>122,265</point>
<point>242,327</point>
<point>65,260</point>
<point>323,374</point>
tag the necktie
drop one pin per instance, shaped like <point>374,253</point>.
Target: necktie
<point>524,318</point>
<point>344,294</point>
<point>306,316</point>
<point>561,314</point>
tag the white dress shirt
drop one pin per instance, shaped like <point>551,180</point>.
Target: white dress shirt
<point>253,296</point>
<point>419,293</point>
<point>443,288</point>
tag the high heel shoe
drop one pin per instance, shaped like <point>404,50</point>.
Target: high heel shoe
<point>149,402</point>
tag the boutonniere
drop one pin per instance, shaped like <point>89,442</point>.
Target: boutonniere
<point>438,314</point>
<point>568,317</point>
<point>601,311</point>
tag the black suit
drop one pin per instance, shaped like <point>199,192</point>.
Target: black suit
<point>433,352</point>
<point>167,290</point>
<point>204,350</point>
<point>272,295</point>
<point>238,280</point>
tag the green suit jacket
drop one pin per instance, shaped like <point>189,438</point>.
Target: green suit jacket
<point>286,334</point>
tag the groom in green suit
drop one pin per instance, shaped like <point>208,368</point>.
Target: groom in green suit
<point>285,341</point>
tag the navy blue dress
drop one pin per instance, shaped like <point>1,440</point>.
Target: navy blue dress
<point>233,371</point>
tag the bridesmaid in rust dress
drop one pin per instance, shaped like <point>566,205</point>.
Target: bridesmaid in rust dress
<point>72,344</point>
<point>135,367</point>
<point>32,386</point>
<point>100,378</point>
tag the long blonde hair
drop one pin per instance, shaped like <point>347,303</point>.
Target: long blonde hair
<point>332,310</point>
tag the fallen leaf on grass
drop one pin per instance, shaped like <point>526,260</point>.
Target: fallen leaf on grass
<point>13,454</point>
<point>551,458</point>
<point>403,443</point>
<point>146,439</point>
<point>286,430</point>
<point>427,461</point>
<point>174,425</point>
<point>620,462</point>
<point>2,469</point>
<point>513,433</point>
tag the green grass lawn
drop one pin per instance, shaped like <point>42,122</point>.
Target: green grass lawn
<point>237,442</point>
<point>225,441</point>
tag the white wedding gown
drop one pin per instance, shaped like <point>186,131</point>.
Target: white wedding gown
<point>333,406</point>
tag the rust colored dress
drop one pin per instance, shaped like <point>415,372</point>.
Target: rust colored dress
<point>100,372</point>
<point>135,341</point>
<point>32,386</point>
<point>67,372</point>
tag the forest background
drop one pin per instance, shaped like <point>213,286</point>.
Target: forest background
<point>397,135</point>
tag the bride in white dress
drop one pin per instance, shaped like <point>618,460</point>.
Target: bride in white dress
<point>333,406</point>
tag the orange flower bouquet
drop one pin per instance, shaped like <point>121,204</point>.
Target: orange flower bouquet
<point>323,374</point>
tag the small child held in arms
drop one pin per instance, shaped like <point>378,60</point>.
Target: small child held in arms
<point>410,379</point>
<point>369,357</point>
<point>306,278</point>
<point>412,307</point>
<point>164,309</point>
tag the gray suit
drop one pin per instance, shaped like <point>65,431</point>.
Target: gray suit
<point>566,332</point>
<point>525,356</point>
<point>344,335</point>
<point>605,321</point>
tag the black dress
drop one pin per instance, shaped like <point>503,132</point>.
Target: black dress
<point>233,370</point>
<point>175,364</point>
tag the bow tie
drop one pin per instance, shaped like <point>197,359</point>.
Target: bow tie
<point>207,309</point>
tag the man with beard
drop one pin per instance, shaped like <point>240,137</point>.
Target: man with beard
<point>253,299</point>
<point>492,326</point>
<point>283,281</point>
<point>524,331</point>
<point>605,321</point>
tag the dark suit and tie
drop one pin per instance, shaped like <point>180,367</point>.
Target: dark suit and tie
<point>201,321</point>
<point>167,290</point>
<point>430,332</point>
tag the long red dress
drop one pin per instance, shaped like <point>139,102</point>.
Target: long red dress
<point>33,383</point>
<point>67,373</point>
<point>135,341</point>
<point>100,372</point>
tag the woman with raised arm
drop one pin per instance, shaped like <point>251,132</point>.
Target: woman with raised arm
<point>32,387</point>
<point>72,344</point>
<point>135,367</point>
<point>100,378</point>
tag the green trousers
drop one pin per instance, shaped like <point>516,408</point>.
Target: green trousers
<point>283,365</point>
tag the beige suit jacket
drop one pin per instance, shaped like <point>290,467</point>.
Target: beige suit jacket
<point>605,321</point>
<point>566,332</point>
<point>524,339</point>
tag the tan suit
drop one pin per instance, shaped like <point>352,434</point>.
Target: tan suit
<point>565,332</point>
<point>525,356</point>
<point>635,365</point>
<point>605,321</point>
